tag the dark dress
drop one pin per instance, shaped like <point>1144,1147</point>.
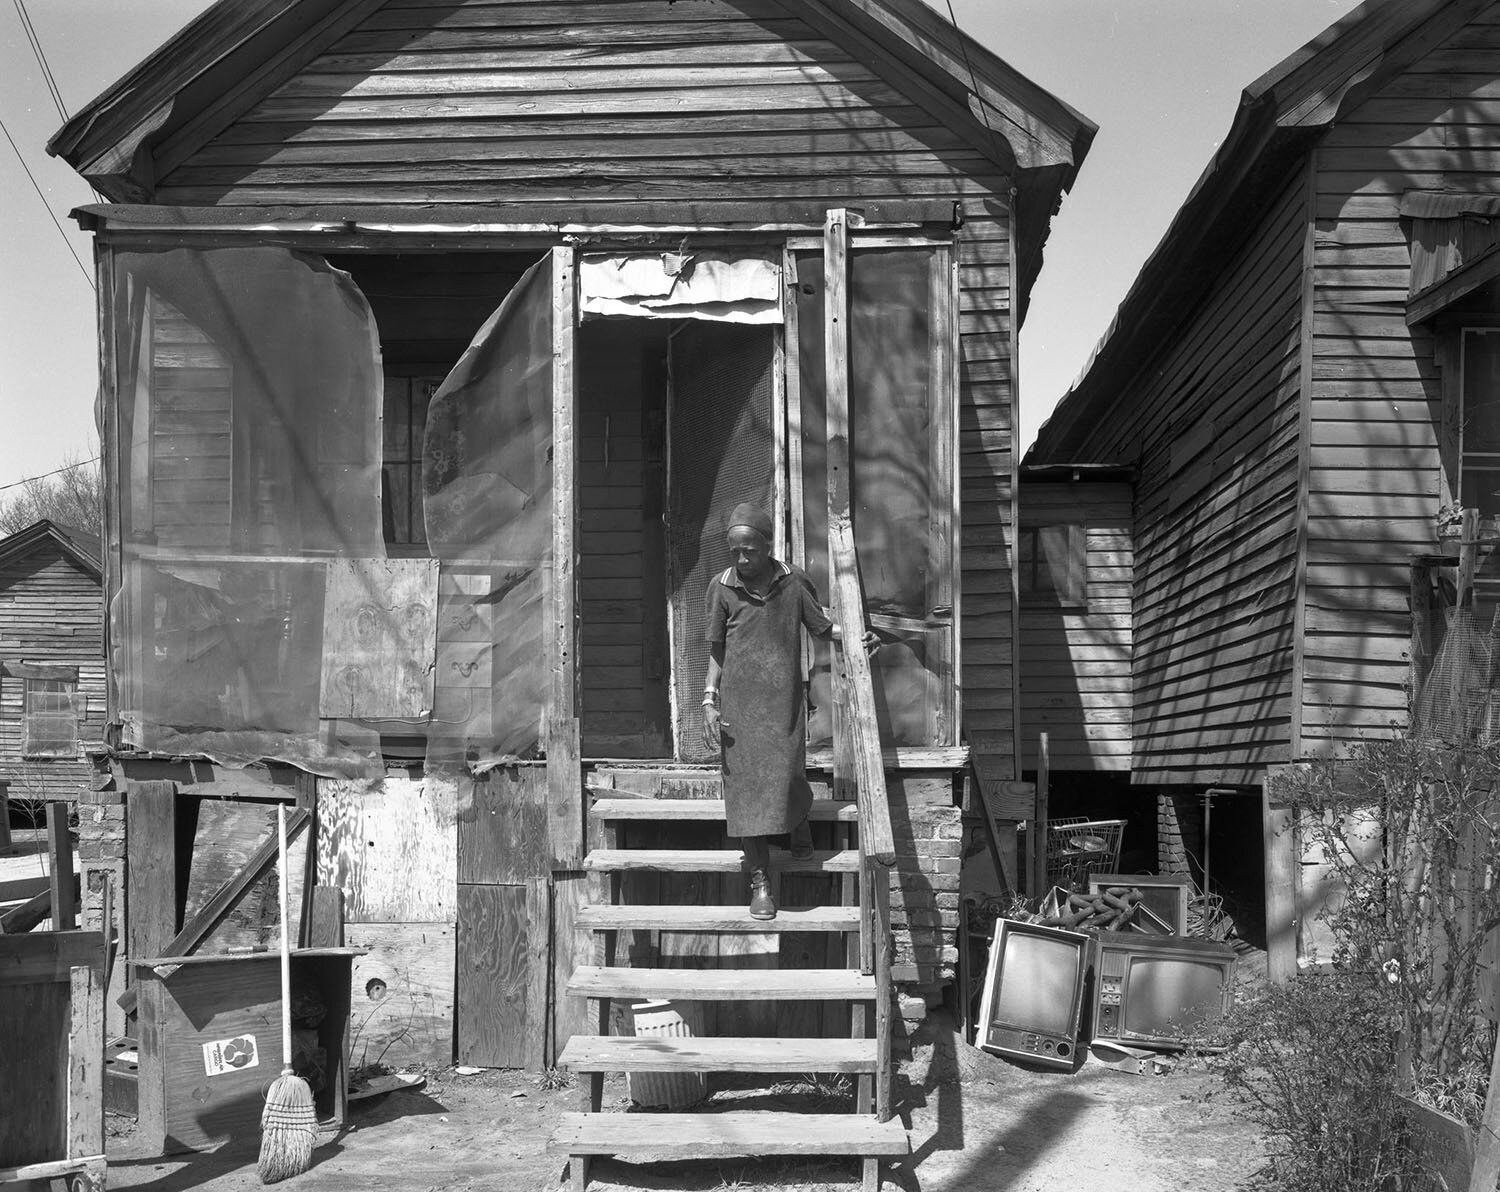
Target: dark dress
<point>764,706</point>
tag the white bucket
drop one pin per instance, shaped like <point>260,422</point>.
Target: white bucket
<point>669,1090</point>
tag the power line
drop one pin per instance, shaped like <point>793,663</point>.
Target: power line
<point>42,195</point>
<point>41,58</point>
<point>963,46</point>
<point>83,463</point>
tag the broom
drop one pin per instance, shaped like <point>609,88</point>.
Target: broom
<point>288,1124</point>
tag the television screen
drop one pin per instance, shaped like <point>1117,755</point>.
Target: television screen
<point>1036,989</point>
<point>1167,996</point>
<point>1033,993</point>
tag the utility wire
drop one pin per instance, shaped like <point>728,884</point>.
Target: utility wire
<point>41,58</point>
<point>83,463</point>
<point>42,195</point>
<point>963,47</point>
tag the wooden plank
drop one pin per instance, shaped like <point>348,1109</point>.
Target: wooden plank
<point>402,994</point>
<point>151,866</point>
<point>719,918</point>
<point>723,984</point>
<point>502,826</point>
<point>1278,843</point>
<point>716,1135</point>
<point>1037,835</point>
<point>564,774</point>
<point>716,861</point>
<point>379,639</point>
<point>86,1062</point>
<point>571,947</point>
<point>502,949</point>
<point>372,836</point>
<point>326,922</point>
<point>683,810</point>
<point>698,1054</point>
<point>61,883</point>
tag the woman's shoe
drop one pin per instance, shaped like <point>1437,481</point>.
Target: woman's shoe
<point>762,905</point>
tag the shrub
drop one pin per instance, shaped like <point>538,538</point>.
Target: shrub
<point>1313,1060</point>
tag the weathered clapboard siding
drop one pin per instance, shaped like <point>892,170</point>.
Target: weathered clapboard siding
<point>51,614</point>
<point>1211,424</point>
<point>596,99</point>
<point>617,100</point>
<point>1075,661</point>
<point>1374,485</point>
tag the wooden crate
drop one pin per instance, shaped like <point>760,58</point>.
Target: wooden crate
<point>210,1042</point>
<point>52,1057</point>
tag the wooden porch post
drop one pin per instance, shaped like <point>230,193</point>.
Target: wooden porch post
<point>564,778</point>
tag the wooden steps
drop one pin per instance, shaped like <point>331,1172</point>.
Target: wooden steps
<point>614,1053</point>
<point>822,810</point>
<point>860,992</point>
<point>730,860</point>
<point>722,985</point>
<point>716,918</point>
<point>722,1135</point>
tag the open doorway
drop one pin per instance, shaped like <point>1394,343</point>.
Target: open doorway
<point>675,427</point>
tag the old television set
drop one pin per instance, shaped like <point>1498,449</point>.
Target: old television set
<point>1033,993</point>
<point>1159,991</point>
<point>1165,894</point>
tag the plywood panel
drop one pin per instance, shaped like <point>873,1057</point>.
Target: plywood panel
<point>379,638</point>
<point>373,837</point>
<point>503,954</point>
<point>502,825</point>
<point>402,994</point>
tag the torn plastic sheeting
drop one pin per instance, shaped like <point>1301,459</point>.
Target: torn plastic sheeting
<point>719,287</point>
<point>249,423</point>
<point>487,479</point>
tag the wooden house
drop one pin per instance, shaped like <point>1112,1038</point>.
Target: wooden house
<point>52,706</point>
<point>438,340</point>
<point>1297,378</point>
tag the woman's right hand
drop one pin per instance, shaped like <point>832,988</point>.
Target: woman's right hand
<point>712,725</point>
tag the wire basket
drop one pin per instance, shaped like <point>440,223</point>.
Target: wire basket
<point>1079,847</point>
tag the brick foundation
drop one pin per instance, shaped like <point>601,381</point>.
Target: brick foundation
<point>928,830</point>
<point>1179,832</point>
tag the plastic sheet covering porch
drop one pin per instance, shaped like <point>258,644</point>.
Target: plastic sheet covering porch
<point>254,613</point>
<point>900,415</point>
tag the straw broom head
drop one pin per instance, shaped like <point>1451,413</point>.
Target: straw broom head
<point>288,1129</point>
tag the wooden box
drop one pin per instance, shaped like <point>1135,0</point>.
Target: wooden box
<point>209,1040</point>
<point>52,1057</point>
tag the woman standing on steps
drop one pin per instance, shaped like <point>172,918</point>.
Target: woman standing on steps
<point>756,611</point>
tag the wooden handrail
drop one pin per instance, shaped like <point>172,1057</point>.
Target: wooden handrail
<point>861,725</point>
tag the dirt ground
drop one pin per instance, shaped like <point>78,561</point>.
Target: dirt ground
<point>977,1124</point>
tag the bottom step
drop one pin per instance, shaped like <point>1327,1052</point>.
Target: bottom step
<point>726,1135</point>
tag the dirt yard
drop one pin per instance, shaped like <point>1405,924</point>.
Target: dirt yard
<point>978,1124</point>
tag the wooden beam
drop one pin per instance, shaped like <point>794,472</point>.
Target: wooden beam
<point>60,869</point>
<point>1421,631</point>
<point>86,1063</point>
<point>564,772</point>
<point>843,569</point>
<point>150,867</point>
<point>195,931</point>
<point>20,919</point>
<point>1280,894</point>
<point>1038,833</point>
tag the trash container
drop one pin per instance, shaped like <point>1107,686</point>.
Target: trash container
<point>659,1018</point>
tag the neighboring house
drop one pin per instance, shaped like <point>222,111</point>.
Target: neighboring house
<point>339,538</point>
<point>52,703</point>
<point>1301,377</point>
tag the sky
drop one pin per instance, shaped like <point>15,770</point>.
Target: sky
<point>1161,78</point>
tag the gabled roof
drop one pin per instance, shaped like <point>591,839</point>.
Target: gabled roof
<point>239,51</point>
<point>1280,116</point>
<point>78,545</point>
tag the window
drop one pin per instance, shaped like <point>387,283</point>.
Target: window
<point>1479,429</point>
<point>1053,563</point>
<point>404,419</point>
<point>51,718</point>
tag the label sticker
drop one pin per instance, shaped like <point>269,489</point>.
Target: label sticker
<point>230,1055</point>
